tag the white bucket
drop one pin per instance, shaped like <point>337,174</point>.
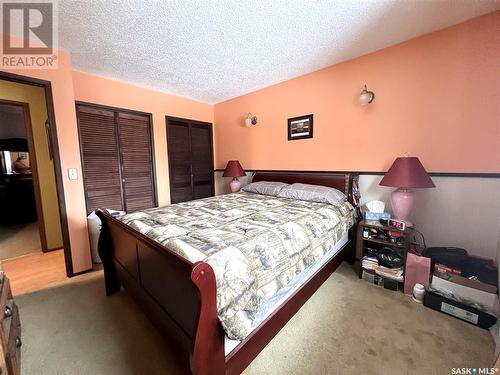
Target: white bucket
<point>94,224</point>
<point>418,293</point>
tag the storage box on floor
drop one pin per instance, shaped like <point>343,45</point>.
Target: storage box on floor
<point>379,280</point>
<point>466,290</point>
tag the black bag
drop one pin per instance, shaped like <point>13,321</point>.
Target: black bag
<point>453,257</point>
<point>387,257</point>
<point>458,258</point>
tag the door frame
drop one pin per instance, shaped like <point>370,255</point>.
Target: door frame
<point>210,126</point>
<point>151,135</point>
<point>54,147</point>
<point>34,168</point>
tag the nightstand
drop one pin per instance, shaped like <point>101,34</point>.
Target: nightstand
<point>10,331</point>
<point>374,235</point>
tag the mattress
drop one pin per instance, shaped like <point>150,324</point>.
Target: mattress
<point>256,244</point>
<point>275,302</point>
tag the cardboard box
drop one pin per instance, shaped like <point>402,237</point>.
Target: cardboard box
<point>440,269</point>
<point>471,290</point>
<point>459,310</point>
<point>475,284</point>
<point>385,282</point>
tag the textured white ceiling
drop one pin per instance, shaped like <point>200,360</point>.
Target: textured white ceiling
<point>215,50</point>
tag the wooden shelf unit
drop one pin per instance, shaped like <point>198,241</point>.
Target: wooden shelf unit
<point>363,242</point>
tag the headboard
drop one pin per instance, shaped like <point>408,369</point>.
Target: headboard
<point>345,182</point>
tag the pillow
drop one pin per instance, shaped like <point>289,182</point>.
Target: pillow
<point>313,193</point>
<point>265,188</point>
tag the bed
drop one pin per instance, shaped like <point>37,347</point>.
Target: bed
<point>179,292</point>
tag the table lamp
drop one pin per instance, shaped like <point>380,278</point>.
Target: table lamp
<point>405,173</point>
<point>234,169</point>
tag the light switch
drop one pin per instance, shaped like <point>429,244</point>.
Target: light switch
<point>72,173</point>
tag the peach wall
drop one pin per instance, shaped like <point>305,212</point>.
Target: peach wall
<point>69,85</point>
<point>437,97</point>
<point>94,89</point>
<point>64,108</point>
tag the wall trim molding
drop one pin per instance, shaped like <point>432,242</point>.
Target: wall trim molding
<point>432,174</point>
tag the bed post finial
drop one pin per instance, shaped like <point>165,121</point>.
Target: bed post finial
<point>207,356</point>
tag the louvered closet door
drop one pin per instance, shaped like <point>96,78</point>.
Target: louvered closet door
<point>117,158</point>
<point>202,164</point>
<point>100,160</point>
<point>134,133</point>
<point>190,159</point>
<point>179,161</point>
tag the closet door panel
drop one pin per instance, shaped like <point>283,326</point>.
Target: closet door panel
<point>202,160</point>
<point>100,158</point>
<point>179,159</point>
<point>135,146</point>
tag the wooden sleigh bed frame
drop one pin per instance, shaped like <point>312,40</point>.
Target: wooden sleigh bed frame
<point>179,297</point>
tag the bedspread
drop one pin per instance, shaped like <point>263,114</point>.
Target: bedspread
<point>255,244</point>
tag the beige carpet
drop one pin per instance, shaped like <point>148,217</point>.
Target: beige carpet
<point>347,327</point>
<point>19,240</point>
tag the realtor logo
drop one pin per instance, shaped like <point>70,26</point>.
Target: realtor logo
<point>29,34</point>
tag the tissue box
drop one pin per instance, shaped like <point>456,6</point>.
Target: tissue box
<point>377,215</point>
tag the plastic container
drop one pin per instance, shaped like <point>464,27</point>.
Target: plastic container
<point>418,293</point>
<point>94,225</point>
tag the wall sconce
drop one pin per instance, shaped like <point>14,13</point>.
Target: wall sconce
<point>366,97</point>
<point>250,120</point>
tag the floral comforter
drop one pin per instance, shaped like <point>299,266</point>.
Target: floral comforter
<point>255,244</point>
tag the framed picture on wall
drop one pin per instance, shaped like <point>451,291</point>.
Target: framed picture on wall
<point>300,127</point>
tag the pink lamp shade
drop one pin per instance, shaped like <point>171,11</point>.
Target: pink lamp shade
<point>405,173</point>
<point>234,169</point>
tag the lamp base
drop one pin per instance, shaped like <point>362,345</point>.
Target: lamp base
<point>235,185</point>
<point>402,201</point>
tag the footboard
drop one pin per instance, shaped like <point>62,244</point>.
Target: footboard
<point>178,296</point>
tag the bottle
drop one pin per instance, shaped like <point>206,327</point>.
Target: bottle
<point>418,293</point>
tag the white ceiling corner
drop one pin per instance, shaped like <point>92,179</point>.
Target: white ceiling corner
<point>214,50</point>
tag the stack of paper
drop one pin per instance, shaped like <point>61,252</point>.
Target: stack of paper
<point>390,273</point>
<point>369,263</point>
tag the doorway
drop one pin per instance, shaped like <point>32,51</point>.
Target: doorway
<point>22,230</point>
<point>44,209</point>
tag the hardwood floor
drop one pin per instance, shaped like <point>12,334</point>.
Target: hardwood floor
<point>35,271</point>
